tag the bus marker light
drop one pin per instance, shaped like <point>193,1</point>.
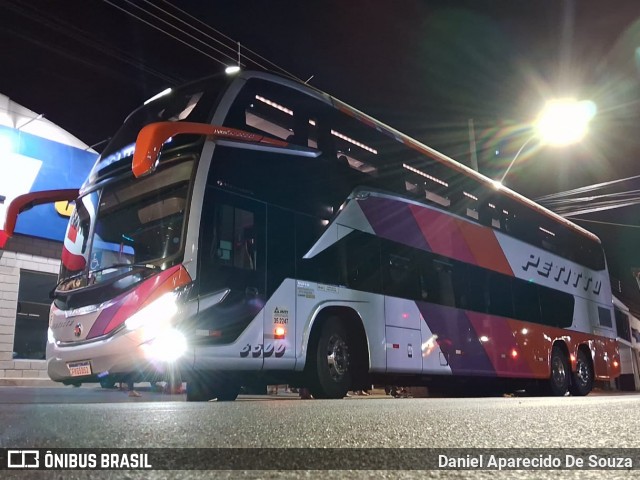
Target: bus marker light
<point>279,333</point>
<point>514,353</point>
<point>615,363</point>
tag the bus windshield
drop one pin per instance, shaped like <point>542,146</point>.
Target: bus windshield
<point>194,102</point>
<point>130,223</point>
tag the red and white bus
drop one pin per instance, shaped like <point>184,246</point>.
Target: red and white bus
<point>251,229</point>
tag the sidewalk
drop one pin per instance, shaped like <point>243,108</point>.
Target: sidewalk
<point>27,382</point>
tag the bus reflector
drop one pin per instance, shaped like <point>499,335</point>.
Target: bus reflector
<point>279,333</point>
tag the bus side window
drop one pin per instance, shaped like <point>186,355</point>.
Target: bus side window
<point>400,273</point>
<point>300,135</point>
<point>436,281</point>
<point>234,239</point>
<point>500,296</point>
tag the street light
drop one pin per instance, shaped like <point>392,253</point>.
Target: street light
<point>561,122</point>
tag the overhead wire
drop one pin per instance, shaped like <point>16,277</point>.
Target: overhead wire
<point>560,202</point>
<point>587,188</point>
<point>76,33</point>
<point>176,28</point>
<point>232,49</point>
<point>229,39</point>
<point>164,31</point>
<point>247,53</point>
<point>605,223</point>
<point>594,208</point>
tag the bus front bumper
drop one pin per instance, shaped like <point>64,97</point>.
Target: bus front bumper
<point>121,354</point>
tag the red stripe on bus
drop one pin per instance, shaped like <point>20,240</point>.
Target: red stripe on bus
<point>485,248</point>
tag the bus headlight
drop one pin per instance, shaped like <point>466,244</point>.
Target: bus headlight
<point>161,341</point>
<point>155,316</point>
<point>167,346</point>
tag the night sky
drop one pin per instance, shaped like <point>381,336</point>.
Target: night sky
<point>423,67</point>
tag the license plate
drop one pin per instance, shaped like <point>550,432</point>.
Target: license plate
<point>79,369</point>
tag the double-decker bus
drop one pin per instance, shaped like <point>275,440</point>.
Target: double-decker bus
<point>251,229</point>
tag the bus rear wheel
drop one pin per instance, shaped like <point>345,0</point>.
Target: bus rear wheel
<point>329,370</point>
<point>582,379</point>
<point>559,380</point>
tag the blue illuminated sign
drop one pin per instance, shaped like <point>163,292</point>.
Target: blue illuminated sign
<point>30,163</point>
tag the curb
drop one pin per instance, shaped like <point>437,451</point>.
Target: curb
<point>28,382</point>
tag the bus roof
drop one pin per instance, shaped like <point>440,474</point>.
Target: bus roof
<point>419,147</point>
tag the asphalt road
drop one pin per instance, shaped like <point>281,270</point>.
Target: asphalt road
<point>90,417</point>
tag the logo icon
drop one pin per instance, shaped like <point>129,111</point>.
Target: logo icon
<point>23,459</point>
<point>77,330</point>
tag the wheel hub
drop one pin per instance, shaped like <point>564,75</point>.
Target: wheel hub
<point>337,357</point>
<point>559,373</point>
<point>582,373</point>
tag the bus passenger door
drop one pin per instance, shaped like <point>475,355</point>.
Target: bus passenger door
<point>231,281</point>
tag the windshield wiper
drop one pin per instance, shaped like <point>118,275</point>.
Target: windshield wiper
<point>63,280</point>
<point>147,266</point>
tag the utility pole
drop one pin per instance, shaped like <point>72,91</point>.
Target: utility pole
<point>472,146</point>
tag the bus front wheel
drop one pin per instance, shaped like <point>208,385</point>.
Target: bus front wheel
<point>107,382</point>
<point>330,367</point>
<point>226,393</point>
<point>560,371</point>
<point>203,390</point>
<point>582,379</point>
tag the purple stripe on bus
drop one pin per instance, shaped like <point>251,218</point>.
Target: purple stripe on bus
<point>103,319</point>
<point>394,221</point>
<point>457,339</point>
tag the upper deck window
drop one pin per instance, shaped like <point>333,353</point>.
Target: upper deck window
<point>290,115</point>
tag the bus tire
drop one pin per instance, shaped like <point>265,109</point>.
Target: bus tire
<point>226,393</point>
<point>107,382</point>
<point>330,369</point>
<point>582,378</point>
<point>199,391</point>
<point>560,373</point>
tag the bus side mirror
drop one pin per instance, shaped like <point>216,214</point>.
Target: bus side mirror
<point>22,203</point>
<point>153,136</point>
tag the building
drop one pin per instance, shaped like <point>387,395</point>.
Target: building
<point>35,154</point>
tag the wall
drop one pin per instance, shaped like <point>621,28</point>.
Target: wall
<point>30,254</point>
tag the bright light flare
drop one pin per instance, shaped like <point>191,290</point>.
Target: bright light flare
<point>168,346</point>
<point>565,121</point>
<point>232,69</point>
<point>156,316</point>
